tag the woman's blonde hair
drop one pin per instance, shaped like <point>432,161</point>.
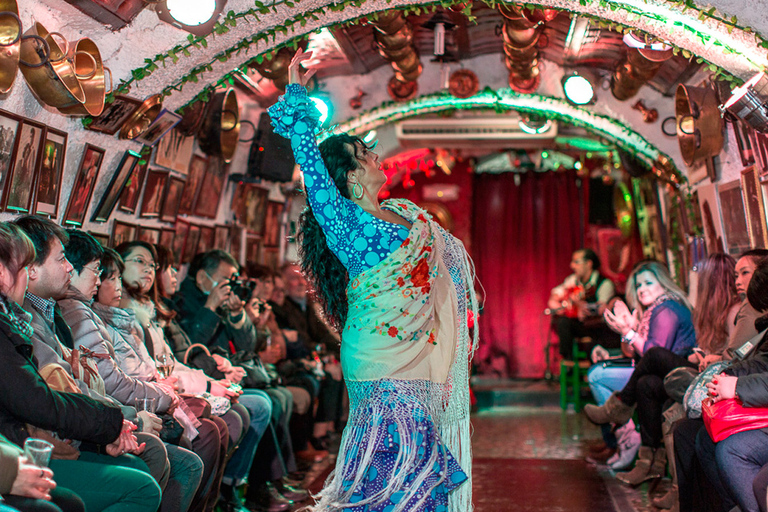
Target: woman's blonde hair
<point>660,272</point>
<point>16,249</point>
<point>715,296</point>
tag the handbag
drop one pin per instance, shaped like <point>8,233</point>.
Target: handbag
<point>697,390</point>
<point>727,417</point>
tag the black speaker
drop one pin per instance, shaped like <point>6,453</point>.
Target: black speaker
<point>271,156</point>
<point>601,203</point>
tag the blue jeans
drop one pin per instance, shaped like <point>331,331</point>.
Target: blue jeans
<point>739,459</point>
<point>186,473</point>
<point>259,406</point>
<point>603,382</point>
<point>707,453</point>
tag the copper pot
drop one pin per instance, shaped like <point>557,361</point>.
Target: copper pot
<point>395,41</point>
<point>142,117</point>
<point>220,132</point>
<point>51,78</point>
<point>90,71</point>
<point>10,42</point>
<point>699,125</point>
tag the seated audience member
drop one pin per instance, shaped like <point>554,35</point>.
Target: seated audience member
<point>734,466</point>
<point>300,319</point>
<point>578,303</point>
<point>28,405</point>
<point>31,488</point>
<point>660,334</point>
<point>184,468</point>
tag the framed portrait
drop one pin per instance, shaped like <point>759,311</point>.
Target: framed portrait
<point>162,124</point>
<point>221,238</point>
<point>272,224</point>
<point>194,180</point>
<point>122,232</point>
<point>174,151</point>
<point>207,203</point>
<point>50,174</point>
<point>129,198</point>
<point>102,238</point>
<point>87,173</point>
<point>179,239</point>
<point>755,208</point>
<point>250,206</point>
<point>709,203</point>
<point>115,187</point>
<point>166,237</point>
<point>207,238</point>
<point>252,246</point>
<point>152,203</point>
<point>733,213</point>
<point>270,257</point>
<point>115,114</point>
<point>236,243</point>
<point>21,181</point>
<point>9,128</point>
<point>149,235</point>
<point>190,244</point>
<point>172,199</point>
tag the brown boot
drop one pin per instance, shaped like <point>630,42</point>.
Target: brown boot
<point>667,501</point>
<point>612,411</point>
<point>642,469</point>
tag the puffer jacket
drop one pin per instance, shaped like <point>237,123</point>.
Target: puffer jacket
<point>89,331</point>
<point>130,353</point>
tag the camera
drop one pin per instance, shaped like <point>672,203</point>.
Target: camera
<point>242,289</point>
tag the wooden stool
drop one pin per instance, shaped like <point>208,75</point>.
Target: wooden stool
<point>572,374</point>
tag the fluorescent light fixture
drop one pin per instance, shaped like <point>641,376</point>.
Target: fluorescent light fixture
<point>748,102</point>
<point>634,41</point>
<point>369,137</point>
<point>534,126</point>
<point>195,16</point>
<point>578,89</point>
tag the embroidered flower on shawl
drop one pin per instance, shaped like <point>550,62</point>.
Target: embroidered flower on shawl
<point>406,242</point>
<point>431,338</point>
<point>400,282</point>
<point>420,275</point>
<point>392,331</point>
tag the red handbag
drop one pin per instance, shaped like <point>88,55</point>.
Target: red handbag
<point>728,417</point>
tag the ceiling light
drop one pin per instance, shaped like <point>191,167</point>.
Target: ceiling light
<point>324,107</point>
<point>195,16</point>
<point>369,137</point>
<point>534,126</point>
<point>634,41</point>
<point>748,102</point>
<point>578,89</point>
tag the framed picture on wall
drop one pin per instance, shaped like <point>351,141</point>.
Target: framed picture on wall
<point>50,173</point>
<point>149,235</point>
<point>115,187</point>
<point>129,198</point>
<point>9,129</point>
<point>207,236</point>
<point>272,224</point>
<point>114,115</point>
<point>221,238</point>
<point>102,238</point>
<point>270,257</point>
<point>152,203</point>
<point>236,243</point>
<point>207,203</point>
<point>733,213</point>
<point>755,208</point>
<point>250,206</point>
<point>190,244</point>
<point>179,239</point>
<point>192,187</point>
<point>173,193</point>
<point>162,124</point>
<point>21,185</point>
<point>252,246</point>
<point>174,151</point>
<point>87,173</point>
<point>709,203</point>
<point>122,232</point>
<point>166,237</point>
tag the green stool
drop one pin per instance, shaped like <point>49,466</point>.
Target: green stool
<point>572,373</point>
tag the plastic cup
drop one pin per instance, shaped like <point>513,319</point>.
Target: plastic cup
<point>38,451</point>
<point>146,404</point>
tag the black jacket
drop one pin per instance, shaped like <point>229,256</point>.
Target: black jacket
<point>312,330</point>
<point>752,386</point>
<point>26,398</point>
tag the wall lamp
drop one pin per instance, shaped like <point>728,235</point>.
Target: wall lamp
<point>748,102</point>
<point>578,88</point>
<point>194,16</point>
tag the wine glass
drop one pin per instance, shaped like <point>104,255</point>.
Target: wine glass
<point>165,364</point>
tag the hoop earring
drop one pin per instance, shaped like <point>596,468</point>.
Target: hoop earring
<point>354,191</point>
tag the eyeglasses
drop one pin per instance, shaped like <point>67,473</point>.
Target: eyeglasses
<point>98,272</point>
<point>143,263</point>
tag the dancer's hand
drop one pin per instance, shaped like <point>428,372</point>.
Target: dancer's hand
<point>294,69</point>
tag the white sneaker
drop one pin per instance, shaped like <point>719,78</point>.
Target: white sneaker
<point>629,445</point>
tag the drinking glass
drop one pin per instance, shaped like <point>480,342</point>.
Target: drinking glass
<point>146,404</point>
<point>165,364</point>
<point>38,451</point>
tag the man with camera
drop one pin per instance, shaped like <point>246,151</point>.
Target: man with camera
<point>211,309</point>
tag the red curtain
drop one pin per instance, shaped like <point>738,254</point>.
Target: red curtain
<point>523,235</point>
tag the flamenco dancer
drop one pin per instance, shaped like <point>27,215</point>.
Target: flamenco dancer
<point>399,289</point>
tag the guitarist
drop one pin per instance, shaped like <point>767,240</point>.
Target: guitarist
<point>577,304</point>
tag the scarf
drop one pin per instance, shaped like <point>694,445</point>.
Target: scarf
<point>20,320</point>
<point>645,322</point>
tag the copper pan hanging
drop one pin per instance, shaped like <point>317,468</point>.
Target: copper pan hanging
<point>49,73</point>
<point>699,125</point>
<point>10,42</point>
<point>142,117</point>
<point>90,71</point>
<point>220,131</point>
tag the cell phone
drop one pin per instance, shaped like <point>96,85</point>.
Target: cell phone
<point>698,350</point>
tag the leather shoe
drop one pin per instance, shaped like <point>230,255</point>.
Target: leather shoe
<point>267,499</point>
<point>290,492</point>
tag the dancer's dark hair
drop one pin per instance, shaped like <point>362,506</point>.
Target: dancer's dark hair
<point>320,265</point>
